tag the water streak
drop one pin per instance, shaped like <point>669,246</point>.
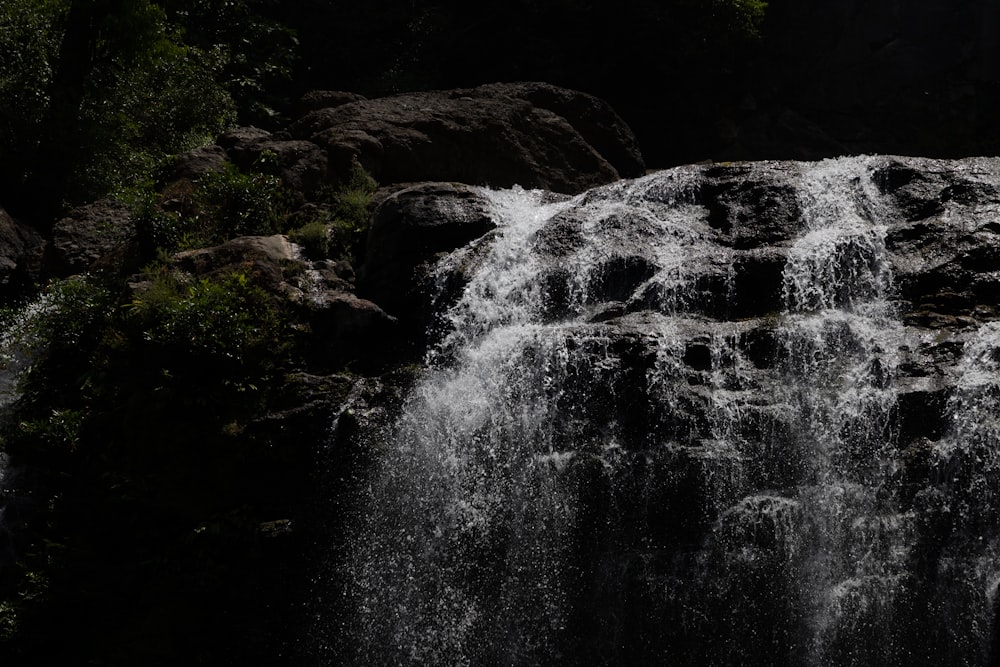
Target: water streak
<point>840,341</point>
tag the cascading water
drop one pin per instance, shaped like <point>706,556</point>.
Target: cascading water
<point>968,463</point>
<point>601,465</point>
<point>840,338</point>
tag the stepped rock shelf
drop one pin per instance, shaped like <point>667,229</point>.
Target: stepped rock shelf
<point>722,414</point>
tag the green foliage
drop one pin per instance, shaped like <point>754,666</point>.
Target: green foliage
<point>314,237</point>
<point>148,95</point>
<point>257,51</point>
<point>352,199</point>
<point>227,318</point>
<point>60,333</point>
<point>136,414</point>
<point>93,93</point>
<point>28,47</point>
<point>748,16</point>
<point>170,104</point>
<point>229,203</point>
<point>213,336</point>
<point>31,590</point>
<point>219,206</point>
<point>74,312</point>
<point>62,429</point>
<point>232,203</point>
<point>350,207</point>
<point>157,229</point>
<point>728,26</point>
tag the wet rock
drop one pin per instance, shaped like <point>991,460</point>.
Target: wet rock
<point>752,204</point>
<point>410,228</point>
<point>561,237</point>
<point>617,278</point>
<point>22,251</point>
<point>917,190</point>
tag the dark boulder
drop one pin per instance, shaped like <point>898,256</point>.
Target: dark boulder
<point>194,164</point>
<point>265,260</point>
<point>302,165</point>
<point>349,331</point>
<point>410,228</point>
<point>91,236</point>
<point>490,136</point>
<point>241,136</point>
<point>21,254</point>
<point>325,99</point>
<point>591,116</point>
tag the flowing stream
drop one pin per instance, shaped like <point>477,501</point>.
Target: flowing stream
<point>597,467</point>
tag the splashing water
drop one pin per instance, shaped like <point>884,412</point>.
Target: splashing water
<point>595,469</point>
<point>839,341</point>
<point>968,465</point>
<point>464,554</point>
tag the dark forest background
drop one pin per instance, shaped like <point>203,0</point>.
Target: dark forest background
<point>94,92</point>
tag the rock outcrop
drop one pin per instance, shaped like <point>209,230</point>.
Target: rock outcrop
<point>701,361</point>
<point>22,251</point>
<point>91,235</point>
<point>533,135</point>
<point>410,229</point>
<point>339,327</point>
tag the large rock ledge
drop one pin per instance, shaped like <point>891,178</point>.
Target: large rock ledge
<point>530,134</point>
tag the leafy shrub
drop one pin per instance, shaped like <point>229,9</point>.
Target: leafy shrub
<point>219,206</point>
<point>93,94</point>
<point>314,237</point>
<point>28,47</point>
<point>75,312</point>
<point>352,199</point>
<point>59,334</point>
<point>232,203</point>
<point>228,318</point>
<point>169,104</point>
<point>156,229</point>
<point>350,205</point>
<point>130,413</point>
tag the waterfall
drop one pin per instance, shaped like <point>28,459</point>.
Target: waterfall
<point>967,460</point>
<point>609,460</point>
<point>467,530</point>
<point>840,338</point>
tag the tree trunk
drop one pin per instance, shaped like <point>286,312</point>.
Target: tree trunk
<point>59,149</point>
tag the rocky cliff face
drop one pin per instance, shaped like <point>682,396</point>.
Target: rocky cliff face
<point>721,414</point>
